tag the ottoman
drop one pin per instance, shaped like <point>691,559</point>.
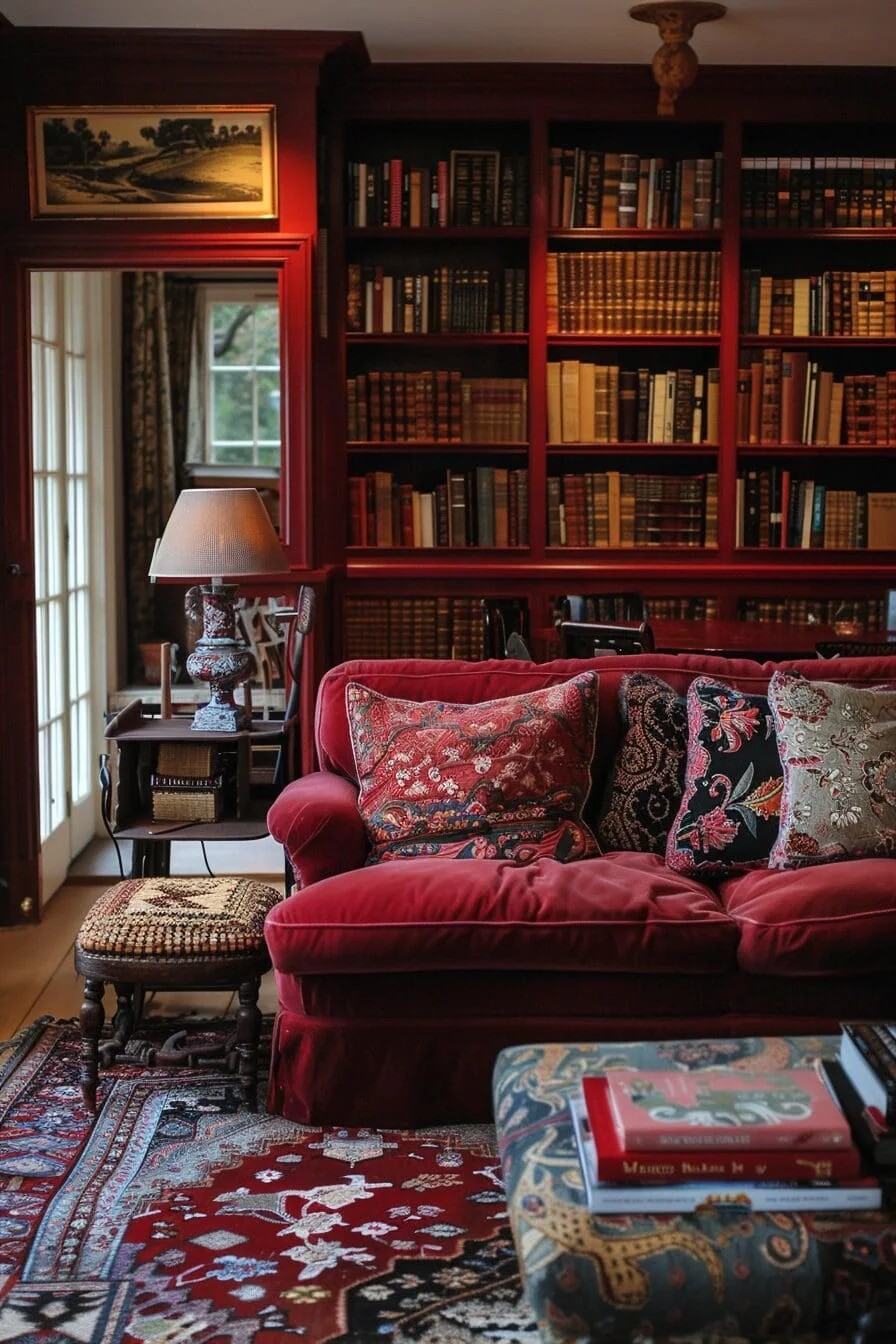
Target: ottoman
<point>719,1275</point>
<point>184,933</point>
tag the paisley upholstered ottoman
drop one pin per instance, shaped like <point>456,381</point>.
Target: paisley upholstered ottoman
<point>720,1275</point>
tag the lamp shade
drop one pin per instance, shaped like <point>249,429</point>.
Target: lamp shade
<point>218,533</point>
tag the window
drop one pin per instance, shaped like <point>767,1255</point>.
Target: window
<point>242,344</point>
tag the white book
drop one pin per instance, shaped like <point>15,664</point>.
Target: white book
<point>427,520</point>
<point>691,1196</point>
<point>658,423</point>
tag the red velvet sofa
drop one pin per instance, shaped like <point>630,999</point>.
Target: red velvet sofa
<point>399,982</point>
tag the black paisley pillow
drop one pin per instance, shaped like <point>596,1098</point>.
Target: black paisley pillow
<point>729,814</point>
<point>646,783</point>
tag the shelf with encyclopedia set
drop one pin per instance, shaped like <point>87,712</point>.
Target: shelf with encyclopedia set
<point>544,314</point>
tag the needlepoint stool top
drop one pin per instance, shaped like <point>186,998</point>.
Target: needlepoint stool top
<point>178,916</point>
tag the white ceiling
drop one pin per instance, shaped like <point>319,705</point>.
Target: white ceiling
<point>753,32</point>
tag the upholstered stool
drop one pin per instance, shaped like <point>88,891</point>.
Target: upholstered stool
<point>718,1273</point>
<point>184,933</point>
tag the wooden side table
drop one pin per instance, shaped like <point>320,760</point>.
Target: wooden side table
<point>125,776</point>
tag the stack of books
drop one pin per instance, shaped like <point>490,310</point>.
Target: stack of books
<point>664,1141</point>
<point>863,1077</point>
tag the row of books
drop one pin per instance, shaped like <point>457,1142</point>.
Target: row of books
<point>446,298</point>
<point>435,405</point>
<point>672,292</point>
<point>468,188</point>
<point>866,612</point>
<point>776,508</point>
<point>614,608</point>
<point>832,303</point>
<point>487,506</point>
<point>819,191</point>
<point>606,189</point>
<point>604,403</point>
<point>414,627</point>
<point>783,396</point>
<point>665,1141</point>
<point>627,509</point>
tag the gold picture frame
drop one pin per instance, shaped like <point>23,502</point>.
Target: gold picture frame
<point>151,161</point>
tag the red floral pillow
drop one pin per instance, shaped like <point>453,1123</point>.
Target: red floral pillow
<point>506,779</point>
<point>728,817</point>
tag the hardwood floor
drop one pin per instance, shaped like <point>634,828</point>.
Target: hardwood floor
<point>38,975</point>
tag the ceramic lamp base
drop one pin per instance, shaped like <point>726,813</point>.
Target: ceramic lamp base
<point>222,660</point>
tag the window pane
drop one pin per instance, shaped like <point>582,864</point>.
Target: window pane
<point>232,327</point>
<point>53,432</point>
<point>232,410</point>
<point>38,397</point>
<point>267,335</point>
<point>243,378</point>
<point>269,407</point>
<point>76,413</point>
<point>82,757</point>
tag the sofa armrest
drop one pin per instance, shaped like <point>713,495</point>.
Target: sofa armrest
<point>317,822</point>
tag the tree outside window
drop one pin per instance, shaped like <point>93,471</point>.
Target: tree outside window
<point>243,355</point>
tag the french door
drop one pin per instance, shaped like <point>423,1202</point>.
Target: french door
<point>70,426</point>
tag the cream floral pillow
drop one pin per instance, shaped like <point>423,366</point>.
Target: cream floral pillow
<point>838,754</point>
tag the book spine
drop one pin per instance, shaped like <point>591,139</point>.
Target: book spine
<point>871,1043</point>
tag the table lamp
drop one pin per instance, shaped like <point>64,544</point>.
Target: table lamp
<point>213,534</point>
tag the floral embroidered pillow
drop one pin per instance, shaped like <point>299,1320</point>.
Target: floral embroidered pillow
<point>506,779</point>
<point>645,786</point>
<point>728,818</point>
<point>838,753</point>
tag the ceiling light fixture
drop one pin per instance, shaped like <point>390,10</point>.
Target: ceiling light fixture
<point>675,64</point>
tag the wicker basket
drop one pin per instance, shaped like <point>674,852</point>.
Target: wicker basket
<point>186,803</point>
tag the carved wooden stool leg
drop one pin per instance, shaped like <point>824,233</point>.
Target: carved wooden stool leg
<point>123,1024</point>
<point>93,1015</point>
<point>248,1034</point>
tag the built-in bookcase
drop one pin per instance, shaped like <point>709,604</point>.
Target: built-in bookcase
<point>581,348</point>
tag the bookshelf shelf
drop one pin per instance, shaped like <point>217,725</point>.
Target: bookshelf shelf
<point>637,235</point>
<point>631,339</point>
<point>432,339</point>
<point>564,121</point>
<point>465,234</point>
<point>633,449</point>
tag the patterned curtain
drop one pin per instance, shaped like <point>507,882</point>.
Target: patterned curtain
<point>158,320</point>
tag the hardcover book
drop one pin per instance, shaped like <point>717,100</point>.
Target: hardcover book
<point>876,1141</point>
<point>692,1196</point>
<point>725,1108</point>
<point>670,1165</point>
<point>868,1057</point>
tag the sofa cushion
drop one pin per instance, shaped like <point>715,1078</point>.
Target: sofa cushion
<point>505,779</point>
<point>823,920</point>
<point>728,818</point>
<point>838,753</point>
<point>645,786</point>
<point>624,913</point>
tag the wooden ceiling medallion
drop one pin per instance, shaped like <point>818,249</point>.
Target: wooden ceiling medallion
<point>675,64</point>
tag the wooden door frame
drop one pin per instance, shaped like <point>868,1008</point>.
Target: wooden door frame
<point>287,255</point>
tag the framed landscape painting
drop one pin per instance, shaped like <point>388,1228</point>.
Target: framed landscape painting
<point>132,162</point>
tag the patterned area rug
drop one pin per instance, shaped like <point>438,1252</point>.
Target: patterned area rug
<point>178,1218</point>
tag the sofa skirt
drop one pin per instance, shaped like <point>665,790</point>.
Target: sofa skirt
<point>409,1051</point>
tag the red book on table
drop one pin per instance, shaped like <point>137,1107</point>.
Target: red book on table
<point>725,1108</point>
<point>675,1164</point>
